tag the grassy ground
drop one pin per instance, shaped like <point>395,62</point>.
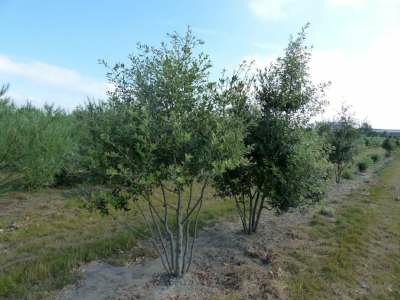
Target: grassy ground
<point>55,235</point>
<point>355,254</point>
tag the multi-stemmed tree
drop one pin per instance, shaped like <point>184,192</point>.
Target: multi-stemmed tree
<point>286,165</point>
<point>166,126</point>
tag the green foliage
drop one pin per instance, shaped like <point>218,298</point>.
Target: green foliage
<point>309,170</point>
<point>288,99</point>
<point>375,157</point>
<point>347,174</point>
<point>48,141</point>
<point>326,211</point>
<point>389,145</point>
<point>366,130</point>
<point>8,127</point>
<point>102,201</point>
<point>363,165</point>
<point>287,164</point>
<point>343,137</point>
<point>167,126</point>
<point>285,86</point>
<point>165,120</point>
<point>34,142</point>
<point>373,141</point>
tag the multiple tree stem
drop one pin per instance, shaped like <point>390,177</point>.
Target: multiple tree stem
<point>173,227</point>
<point>249,207</point>
<point>173,224</point>
<point>339,171</point>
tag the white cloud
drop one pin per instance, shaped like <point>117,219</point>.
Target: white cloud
<point>34,80</point>
<point>352,3</point>
<point>269,9</point>
<point>367,79</point>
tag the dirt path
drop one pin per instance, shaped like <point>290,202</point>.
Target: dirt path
<point>231,265</point>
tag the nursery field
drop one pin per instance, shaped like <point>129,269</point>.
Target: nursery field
<point>346,247</point>
<point>178,185</point>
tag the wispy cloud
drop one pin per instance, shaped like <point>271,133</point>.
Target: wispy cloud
<point>41,83</point>
<point>54,76</point>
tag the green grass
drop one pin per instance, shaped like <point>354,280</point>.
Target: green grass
<point>361,245</point>
<point>51,269</point>
<point>56,235</point>
<point>365,156</point>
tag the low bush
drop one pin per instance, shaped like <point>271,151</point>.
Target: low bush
<point>389,145</point>
<point>34,143</point>
<point>375,157</point>
<point>347,174</point>
<point>373,141</point>
<point>102,201</point>
<point>363,165</point>
<point>327,211</point>
<point>343,137</point>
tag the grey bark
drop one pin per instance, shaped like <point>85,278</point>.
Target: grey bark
<point>174,238</point>
<point>250,214</point>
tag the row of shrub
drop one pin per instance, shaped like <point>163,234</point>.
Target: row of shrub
<point>35,143</point>
<point>46,146</point>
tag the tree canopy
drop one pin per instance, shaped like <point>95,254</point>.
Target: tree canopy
<point>167,126</point>
<point>284,99</point>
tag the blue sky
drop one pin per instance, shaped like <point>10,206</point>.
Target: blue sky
<point>49,49</point>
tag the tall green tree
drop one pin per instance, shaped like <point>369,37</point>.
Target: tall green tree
<point>343,137</point>
<point>166,126</point>
<point>273,174</point>
<point>366,129</point>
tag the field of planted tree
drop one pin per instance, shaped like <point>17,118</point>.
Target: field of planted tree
<point>180,185</point>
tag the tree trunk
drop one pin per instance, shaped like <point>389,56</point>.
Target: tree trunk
<point>179,239</point>
<point>338,174</point>
<point>250,214</point>
<point>174,242</point>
